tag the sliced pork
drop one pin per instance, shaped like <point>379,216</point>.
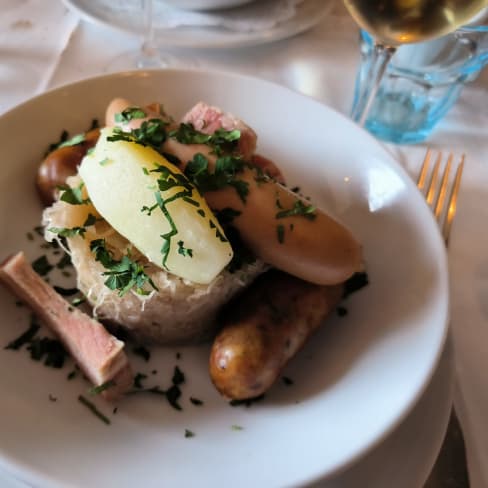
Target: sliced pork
<point>99,355</point>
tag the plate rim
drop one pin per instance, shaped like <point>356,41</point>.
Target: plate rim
<point>278,33</point>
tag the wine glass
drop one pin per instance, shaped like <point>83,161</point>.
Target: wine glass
<point>148,55</point>
<point>396,22</point>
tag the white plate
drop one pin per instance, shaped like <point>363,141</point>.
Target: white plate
<point>126,16</point>
<point>353,383</point>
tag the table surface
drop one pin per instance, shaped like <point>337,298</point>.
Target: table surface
<point>320,63</point>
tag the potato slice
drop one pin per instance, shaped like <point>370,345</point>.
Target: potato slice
<point>151,203</point>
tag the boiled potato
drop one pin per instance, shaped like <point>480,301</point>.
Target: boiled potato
<point>130,186</point>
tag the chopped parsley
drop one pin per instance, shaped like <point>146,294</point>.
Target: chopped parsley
<point>151,133</point>
<point>24,338</point>
<point>42,266</point>
<point>226,169</point>
<point>66,292</point>
<point>237,427</point>
<point>178,376</point>
<point>183,250</point>
<point>247,402</point>
<point>355,283</point>
<point>196,401</point>
<point>50,350</point>
<point>62,138</point>
<point>73,196</point>
<point>122,275</point>
<point>280,233</point>
<point>74,141</point>
<point>71,375</point>
<point>74,231</point>
<point>189,433</point>
<point>299,209</point>
<point>287,381</point>
<point>93,409</point>
<point>138,379</point>
<point>96,390</point>
<point>64,261</point>
<point>142,352</point>
<point>173,394</point>
<point>129,114</point>
<point>221,141</point>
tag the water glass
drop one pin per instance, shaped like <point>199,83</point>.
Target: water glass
<point>422,82</point>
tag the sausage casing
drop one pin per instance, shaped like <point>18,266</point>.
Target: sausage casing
<point>264,329</point>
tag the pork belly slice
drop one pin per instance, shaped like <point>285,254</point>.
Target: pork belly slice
<point>99,354</point>
<point>207,119</point>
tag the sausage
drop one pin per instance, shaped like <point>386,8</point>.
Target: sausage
<point>317,249</point>
<point>314,246</point>
<point>264,329</point>
<point>60,164</point>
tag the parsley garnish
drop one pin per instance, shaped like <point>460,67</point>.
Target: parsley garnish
<point>355,283</point>
<point>96,390</point>
<point>173,394</point>
<point>51,350</point>
<point>237,427</point>
<point>66,292</point>
<point>220,141</point>
<point>142,352</point>
<point>280,232</point>
<point>42,266</point>
<point>74,141</point>
<point>73,195</point>
<point>93,409</point>
<point>129,114</point>
<point>196,401</point>
<point>183,250</point>
<point>104,162</point>
<point>138,378</point>
<point>122,275</point>
<point>74,231</point>
<point>151,133</point>
<point>247,402</point>
<point>24,338</point>
<point>167,180</point>
<point>178,376</point>
<point>226,169</point>
<point>300,209</point>
<point>189,433</point>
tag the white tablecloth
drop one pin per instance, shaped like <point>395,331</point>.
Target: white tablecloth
<point>42,45</point>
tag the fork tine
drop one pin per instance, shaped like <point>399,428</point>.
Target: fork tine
<point>431,193</point>
<point>423,172</point>
<point>443,190</point>
<point>451,210</point>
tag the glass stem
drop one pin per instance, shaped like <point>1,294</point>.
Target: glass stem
<point>150,54</point>
<point>381,56</point>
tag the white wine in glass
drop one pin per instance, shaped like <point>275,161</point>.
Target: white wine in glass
<point>396,22</point>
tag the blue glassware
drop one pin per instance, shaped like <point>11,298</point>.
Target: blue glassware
<point>422,82</point>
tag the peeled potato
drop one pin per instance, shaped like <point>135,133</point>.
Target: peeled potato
<point>120,181</point>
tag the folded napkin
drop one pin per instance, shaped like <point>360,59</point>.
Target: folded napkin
<point>257,16</point>
<point>32,38</point>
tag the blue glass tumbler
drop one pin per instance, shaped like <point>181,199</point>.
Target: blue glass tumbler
<point>422,82</point>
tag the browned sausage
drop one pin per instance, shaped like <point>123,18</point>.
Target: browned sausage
<point>266,327</point>
<point>60,164</point>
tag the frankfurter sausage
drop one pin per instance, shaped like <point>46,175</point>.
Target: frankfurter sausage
<point>266,327</point>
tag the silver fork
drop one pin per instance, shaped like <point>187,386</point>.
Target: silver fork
<point>451,465</point>
<point>437,195</point>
